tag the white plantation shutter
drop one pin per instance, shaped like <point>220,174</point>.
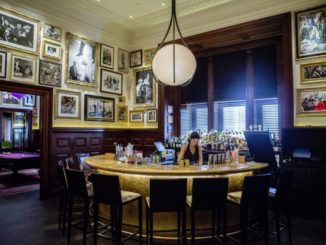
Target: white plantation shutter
<point>193,116</point>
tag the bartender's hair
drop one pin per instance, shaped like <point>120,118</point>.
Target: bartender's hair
<point>194,135</point>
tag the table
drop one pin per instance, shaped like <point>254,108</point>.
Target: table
<point>136,178</point>
<point>19,160</point>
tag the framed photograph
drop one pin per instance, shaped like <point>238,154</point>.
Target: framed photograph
<point>310,32</point>
<point>3,64</point>
<point>111,82</point>
<point>19,31</point>
<point>144,87</point>
<point>29,100</point>
<point>52,32</point>
<point>136,116</point>
<point>136,58</point>
<point>81,61</point>
<point>99,108</point>
<point>311,101</point>
<point>67,104</point>
<point>49,73</point>
<point>8,99</point>
<point>107,56</point>
<point>315,72</point>
<point>151,115</point>
<point>122,113</point>
<point>123,60</point>
<point>148,56</point>
<point>23,68</point>
<point>51,50</point>
<point>121,99</point>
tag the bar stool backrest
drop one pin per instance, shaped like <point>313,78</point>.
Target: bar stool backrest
<point>81,157</point>
<point>209,193</point>
<point>255,191</point>
<point>62,175</point>
<point>168,194</point>
<point>106,189</point>
<point>283,189</point>
<point>77,183</point>
<point>70,163</point>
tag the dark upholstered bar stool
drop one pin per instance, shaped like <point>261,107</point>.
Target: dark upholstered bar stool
<point>209,194</point>
<point>167,195</point>
<point>71,164</point>
<point>63,197</point>
<point>279,200</point>
<point>81,161</point>
<point>254,196</point>
<point>78,188</point>
<point>107,190</point>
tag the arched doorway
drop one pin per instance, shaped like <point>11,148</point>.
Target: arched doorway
<point>46,98</point>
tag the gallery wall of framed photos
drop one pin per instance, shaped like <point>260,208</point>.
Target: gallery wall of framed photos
<point>309,66</point>
<point>89,75</point>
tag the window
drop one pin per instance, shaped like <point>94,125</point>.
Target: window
<point>266,115</point>
<point>193,116</point>
<point>230,115</point>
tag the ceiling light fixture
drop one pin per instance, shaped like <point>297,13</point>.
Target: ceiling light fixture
<point>163,4</point>
<point>130,16</point>
<point>174,64</point>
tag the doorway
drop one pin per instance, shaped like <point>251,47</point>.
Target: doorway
<point>45,124</point>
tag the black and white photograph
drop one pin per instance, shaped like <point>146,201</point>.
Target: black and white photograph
<point>9,99</point>
<point>3,64</point>
<point>22,68</point>
<point>149,55</point>
<point>144,88</point>
<point>311,32</point>
<point>136,58</point>
<point>311,101</point>
<point>107,56</point>
<point>19,119</point>
<point>29,100</point>
<point>81,61</point>
<point>122,113</point>
<point>136,116</point>
<point>315,72</point>
<point>50,73</point>
<point>52,32</point>
<point>111,82</point>
<point>18,31</point>
<point>123,60</point>
<point>51,50</point>
<point>151,115</point>
<point>67,104</point>
<point>98,108</point>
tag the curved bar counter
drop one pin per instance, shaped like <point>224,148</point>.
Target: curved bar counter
<point>136,178</point>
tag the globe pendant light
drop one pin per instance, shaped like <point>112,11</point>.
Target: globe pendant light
<point>174,64</point>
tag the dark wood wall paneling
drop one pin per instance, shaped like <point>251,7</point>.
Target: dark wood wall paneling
<point>275,30</point>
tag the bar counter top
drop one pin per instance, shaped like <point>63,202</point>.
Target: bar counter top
<point>106,163</point>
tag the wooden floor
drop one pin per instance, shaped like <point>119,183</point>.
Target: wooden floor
<point>26,220</point>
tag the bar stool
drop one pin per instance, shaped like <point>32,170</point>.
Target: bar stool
<point>71,164</point>
<point>209,194</point>
<point>81,161</point>
<point>167,195</point>
<point>254,196</point>
<point>107,190</point>
<point>63,197</point>
<point>279,200</point>
<point>78,188</point>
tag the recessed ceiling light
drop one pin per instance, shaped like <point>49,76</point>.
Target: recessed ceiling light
<point>163,4</point>
<point>98,0</point>
<point>130,16</point>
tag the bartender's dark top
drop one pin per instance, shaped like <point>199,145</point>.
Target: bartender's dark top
<point>193,158</point>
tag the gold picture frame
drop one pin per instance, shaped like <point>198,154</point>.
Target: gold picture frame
<point>51,50</point>
<point>30,41</point>
<point>23,68</point>
<point>144,88</point>
<point>69,99</point>
<point>311,101</point>
<point>314,72</point>
<point>148,56</point>
<point>81,65</point>
<point>122,113</point>
<point>136,116</point>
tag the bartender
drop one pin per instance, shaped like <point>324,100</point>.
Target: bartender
<point>192,150</point>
